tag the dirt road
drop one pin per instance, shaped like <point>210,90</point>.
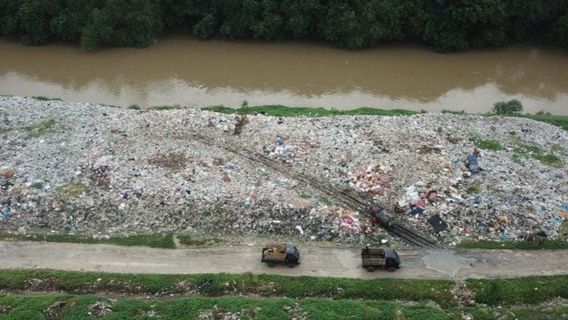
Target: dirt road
<point>316,261</point>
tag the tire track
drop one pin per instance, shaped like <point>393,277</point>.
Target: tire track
<point>346,198</point>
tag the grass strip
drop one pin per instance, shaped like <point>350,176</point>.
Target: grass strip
<point>224,284</point>
<point>230,307</point>
<point>515,245</point>
<point>493,292</point>
<point>514,291</point>
<point>284,111</point>
<point>77,307</point>
<point>197,241</point>
<point>147,240</point>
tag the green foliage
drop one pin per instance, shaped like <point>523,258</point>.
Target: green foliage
<point>164,107</point>
<point>284,111</point>
<point>42,98</point>
<point>217,284</point>
<point>487,144</point>
<point>463,24</point>
<point>532,151</point>
<point>508,108</point>
<point>559,121</point>
<point>147,240</point>
<point>129,23</point>
<point>528,290</point>
<point>125,308</point>
<point>40,129</point>
<point>134,107</point>
<point>187,240</point>
<point>444,25</point>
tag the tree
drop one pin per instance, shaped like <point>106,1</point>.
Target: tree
<point>130,23</point>
<point>508,108</point>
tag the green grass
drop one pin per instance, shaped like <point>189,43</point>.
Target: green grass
<point>197,241</point>
<point>40,129</point>
<point>474,189</point>
<point>510,313</point>
<point>134,107</point>
<point>531,151</point>
<point>527,290</point>
<point>124,308</point>
<point>164,107</point>
<point>42,98</point>
<point>72,190</point>
<point>461,113</point>
<point>150,240</point>
<point>284,111</point>
<point>303,194</point>
<point>486,144</point>
<point>325,200</point>
<point>221,284</point>
<point>350,298</point>
<point>559,121</point>
<point>31,308</point>
<point>521,245</point>
<point>37,185</point>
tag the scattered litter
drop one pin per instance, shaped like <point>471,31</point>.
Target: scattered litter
<point>157,176</point>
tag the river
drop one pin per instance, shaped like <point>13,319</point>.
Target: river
<point>190,72</point>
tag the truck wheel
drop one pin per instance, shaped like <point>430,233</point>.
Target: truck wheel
<point>370,269</point>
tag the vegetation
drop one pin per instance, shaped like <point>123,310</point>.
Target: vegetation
<point>40,129</point>
<point>197,241</point>
<point>522,245</point>
<point>165,107</point>
<point>559,121</point>
<point>513,107</point>
<point>42,98</point>
<point>531,151</point>
<point>284,111</point>
<point>487,144</point>
<point>78,307</point>
<point>72,190</point>
<point>219,284</point>
<point>350,298</point>
<point>149,240</point>
<point>444,25</point>
<point>527,290</point>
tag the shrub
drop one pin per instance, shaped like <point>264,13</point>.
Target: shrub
<point>508,108</point>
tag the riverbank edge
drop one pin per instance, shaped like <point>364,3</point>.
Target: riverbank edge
<point>277,110</point>
<point>287,111</point>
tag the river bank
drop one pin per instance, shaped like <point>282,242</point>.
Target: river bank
<point>90,169</point>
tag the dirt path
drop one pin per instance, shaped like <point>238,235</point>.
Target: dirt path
<point>315,261</point>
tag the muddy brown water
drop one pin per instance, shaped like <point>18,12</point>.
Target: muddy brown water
<point>190,72</point>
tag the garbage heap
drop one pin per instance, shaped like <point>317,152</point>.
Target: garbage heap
<point>92,169</point>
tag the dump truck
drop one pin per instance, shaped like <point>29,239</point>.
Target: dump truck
<point>374,259</point>
<point>280,253</point>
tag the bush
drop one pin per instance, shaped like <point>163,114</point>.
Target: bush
<point>508,108</point>
<point>444,25</point>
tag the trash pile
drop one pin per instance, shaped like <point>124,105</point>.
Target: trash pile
<point>219,313</point>
<point>100,309</point>
<point>88,169</point>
